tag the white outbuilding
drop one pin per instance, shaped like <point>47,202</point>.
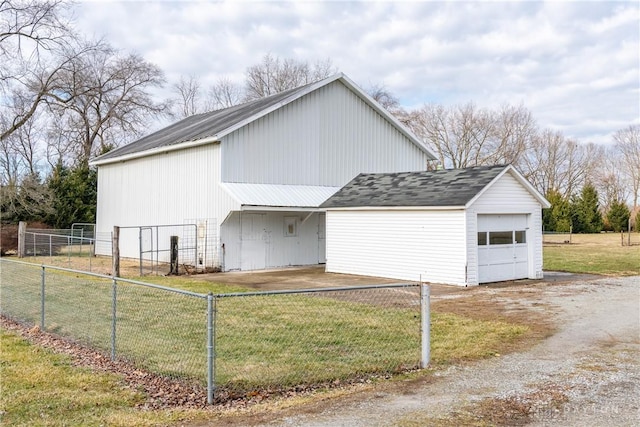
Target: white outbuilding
<point>460,226</point>
<point>241,186</point>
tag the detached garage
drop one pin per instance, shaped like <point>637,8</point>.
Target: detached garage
<point>460,226</point>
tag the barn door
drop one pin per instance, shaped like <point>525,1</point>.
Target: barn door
<point>253,235</point>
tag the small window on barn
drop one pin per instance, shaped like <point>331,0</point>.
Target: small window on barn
<point>482,238</point>
<point>500,237</point>
<point>521,236</point>
<point>290,226</point>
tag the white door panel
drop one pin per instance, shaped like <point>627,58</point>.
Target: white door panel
<point>501,253</point>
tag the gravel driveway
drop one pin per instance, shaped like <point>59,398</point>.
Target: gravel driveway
<point>588,373</point>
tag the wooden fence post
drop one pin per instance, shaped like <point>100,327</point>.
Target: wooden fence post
<point>115,252</point>
<point>174,256</point>
<point>22,235</point>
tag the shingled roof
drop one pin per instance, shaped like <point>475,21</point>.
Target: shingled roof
<point>449,187</point>
<point>212,126</point>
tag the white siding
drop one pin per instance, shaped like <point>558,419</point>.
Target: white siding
<point>257,240</point>
<point>170,188</point>
<point>405,245</point>
<point>506,196</point>
<point>325,138</point>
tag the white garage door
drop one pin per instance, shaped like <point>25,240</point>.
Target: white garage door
<point>503,252</point>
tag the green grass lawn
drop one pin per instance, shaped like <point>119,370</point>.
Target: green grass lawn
<point>594,253</point>
<point>260,341</point>
<point>40,388</point>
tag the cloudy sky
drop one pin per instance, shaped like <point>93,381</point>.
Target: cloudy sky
<point>575,65</point>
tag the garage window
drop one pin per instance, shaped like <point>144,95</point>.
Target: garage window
<point>500,237</point>
<point>521,236</point>
<point>482,238</point>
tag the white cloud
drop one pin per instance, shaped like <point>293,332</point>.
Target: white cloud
<point>575,65</point>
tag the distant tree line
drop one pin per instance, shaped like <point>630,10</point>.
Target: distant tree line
<point>66,99</point>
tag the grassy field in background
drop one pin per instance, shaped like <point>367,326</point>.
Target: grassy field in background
<point>594,253</point>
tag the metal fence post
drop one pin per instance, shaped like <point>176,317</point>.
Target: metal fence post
<point>42,282</point>
<point>425,325</point>
<point>211,361</point>
<point>113,319</point>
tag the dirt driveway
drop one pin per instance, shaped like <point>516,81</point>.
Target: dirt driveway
<point>292,278</point>
<point>315,277</point>
<point>586,373</point>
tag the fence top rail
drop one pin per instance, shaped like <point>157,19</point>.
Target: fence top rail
<point>316,290</point>
<point>155,226</point>
<point>105,276</point>
<point>224,295</point>
<point>68,236</point>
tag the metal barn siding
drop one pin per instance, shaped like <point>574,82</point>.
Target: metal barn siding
<point>255,240</point>
<point>506,196</point>
<point>169,188</point>
<point>399,244</point>
<point>324,138</point>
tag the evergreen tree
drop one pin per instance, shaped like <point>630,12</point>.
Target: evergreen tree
<point>585,211</point>
<point>618,216</point>
<point>74,195</point>
<point>558,216</point>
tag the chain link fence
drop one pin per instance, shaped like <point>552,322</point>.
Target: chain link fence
<point>232,343</point>
<point>160,329</point>
<point>284,339</point>
<point>73,247</point>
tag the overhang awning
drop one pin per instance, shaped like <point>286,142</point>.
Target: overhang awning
<point>278,196</point>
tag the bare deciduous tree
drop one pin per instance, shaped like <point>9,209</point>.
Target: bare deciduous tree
<point>188,91</point>
<point>514,130</point>
<point>29,26</point>
<point>224,93</point>
<point>384,97</point>
<point>605,175</point>
<point>36,47</point>
<point>460,136</point>
<point>554,162</point>
<point>627,141</point>
<point>21,152</point>
<point>274,75</point>
<point>108,101</point>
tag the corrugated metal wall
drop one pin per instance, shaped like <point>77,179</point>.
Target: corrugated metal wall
<point>257,240</point>
<point>325,138</point>
<point>506,196</point>
<point>405,245</point>
<point>167,188</point>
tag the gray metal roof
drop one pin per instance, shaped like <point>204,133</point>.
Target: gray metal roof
<point>201,126</point>
<point>219,123</point>
<point>278,195</point>
<point>450,187</point>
